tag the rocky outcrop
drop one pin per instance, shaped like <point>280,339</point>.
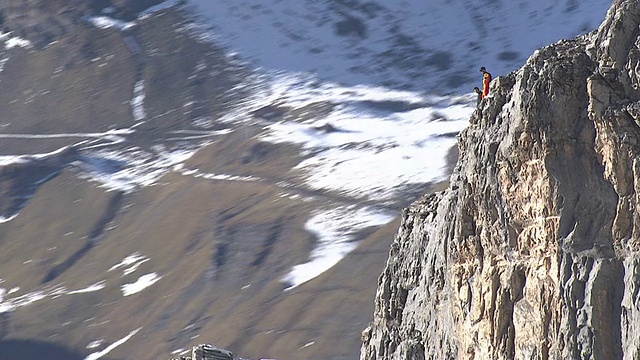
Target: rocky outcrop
<point>207,352</point>
<point>532,252</point>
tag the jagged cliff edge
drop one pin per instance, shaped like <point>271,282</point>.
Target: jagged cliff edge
<point>533,251</point>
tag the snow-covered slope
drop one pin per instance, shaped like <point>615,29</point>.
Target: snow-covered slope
<point>422,45</point>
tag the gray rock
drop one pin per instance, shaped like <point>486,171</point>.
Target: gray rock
<point>207,352</point>
<point>533,251</point>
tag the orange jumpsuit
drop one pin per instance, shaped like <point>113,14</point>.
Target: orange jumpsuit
<point>486,79</point>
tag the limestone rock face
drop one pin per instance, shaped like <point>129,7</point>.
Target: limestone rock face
<point>533,251</point>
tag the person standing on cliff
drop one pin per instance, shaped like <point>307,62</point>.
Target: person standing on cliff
<point>479,93</point>
<point>486,80</point>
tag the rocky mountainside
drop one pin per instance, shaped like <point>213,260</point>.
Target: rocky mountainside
<point>532,252</point>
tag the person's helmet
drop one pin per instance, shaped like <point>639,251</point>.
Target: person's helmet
<point>483,69</point>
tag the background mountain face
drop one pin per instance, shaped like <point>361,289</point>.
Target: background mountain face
<point>435,46</point>
<point>157,192</point>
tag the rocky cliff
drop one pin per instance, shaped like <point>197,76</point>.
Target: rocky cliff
<point>532,252</point>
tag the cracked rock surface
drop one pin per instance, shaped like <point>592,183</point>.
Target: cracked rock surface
<point>533,250</point>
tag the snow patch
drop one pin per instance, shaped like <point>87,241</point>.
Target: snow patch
<point>3,62</point>
<point>95,287</point>
<point>15,41</point>
<point>94,344</point>
<point>142,283</point>
<point>3,307</point>
<point>22,159</point>
<point>137,103</point>
<point>4,219</point>
<point>335,230</point>
<point>24,300</point>
<point>108,349</point>
<point>209,176</point>
<point>128,170</point>
<point>130,263</point>
<point>105,22</point>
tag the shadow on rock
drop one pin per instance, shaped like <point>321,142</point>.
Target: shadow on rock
<point>32,349</point>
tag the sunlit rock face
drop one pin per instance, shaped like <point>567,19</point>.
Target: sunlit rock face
<point>532,252</point>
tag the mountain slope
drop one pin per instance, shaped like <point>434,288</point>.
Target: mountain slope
<point>156,189</point>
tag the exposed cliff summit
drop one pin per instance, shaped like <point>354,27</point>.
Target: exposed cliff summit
<point>532,252</point>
